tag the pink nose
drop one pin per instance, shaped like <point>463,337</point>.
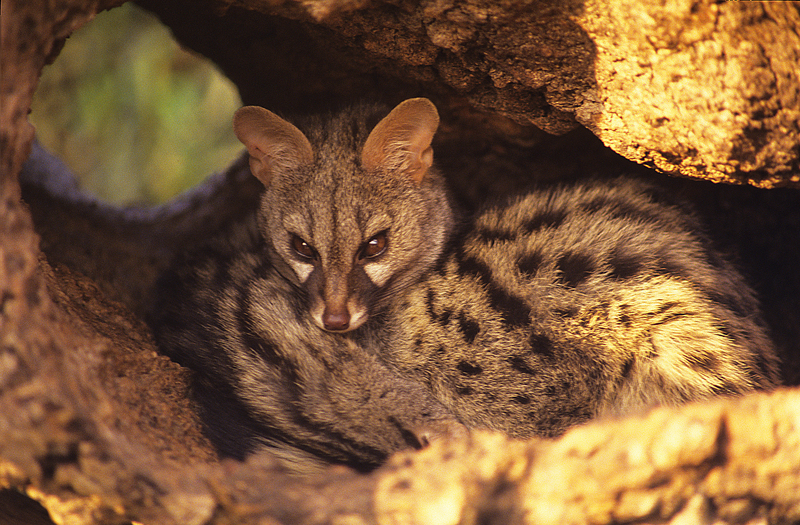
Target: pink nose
<point>335,321</point>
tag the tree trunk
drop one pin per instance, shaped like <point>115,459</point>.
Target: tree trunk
<point>98,427</point>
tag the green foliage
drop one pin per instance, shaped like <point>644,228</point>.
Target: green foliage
<point>137,118</point>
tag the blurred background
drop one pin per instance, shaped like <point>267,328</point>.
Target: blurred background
<point>137,118</point>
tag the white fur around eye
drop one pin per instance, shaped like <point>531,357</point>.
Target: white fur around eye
<point>378,273</point>
<point>303,270</point>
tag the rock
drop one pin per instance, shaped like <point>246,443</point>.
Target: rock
<point>98,428</point>
<point>701,89</point>
<point>693,88</point>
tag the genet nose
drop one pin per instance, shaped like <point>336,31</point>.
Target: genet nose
<point>335,321</point>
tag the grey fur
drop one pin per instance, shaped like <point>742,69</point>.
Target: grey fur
<point>237,313</point>
<point>558,306</point>
<point>575,302</point>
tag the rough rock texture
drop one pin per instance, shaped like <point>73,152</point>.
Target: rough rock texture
<point>97,427</point>
<point>704,89</point>
<point>697,88</point>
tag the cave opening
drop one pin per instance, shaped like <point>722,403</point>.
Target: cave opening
<point>136,117</point>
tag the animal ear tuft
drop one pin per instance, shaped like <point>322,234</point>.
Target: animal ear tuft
<point>274,144</point>
<point>401,142</point>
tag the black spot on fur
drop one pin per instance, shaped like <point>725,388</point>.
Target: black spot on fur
<point>468,327</point>
<point>707,362</point>
<point>595,373</point>
<point>668,265</point>
<point>597,204</point>
<point>521,399</point>
<point>441,266</point>
<point>222,275</point>
<point>468,265</point>
<point>575,268</point>
<point>518,363</point>
<point>619,209</point>
<point>569,311</point>
<point>625,320</point>
<point>623,266</point>
<point>429,303</point>
<point>725,389</point>
<point>730,302</point>
<point>541,344</point>
<point>299,306</point>
<point>469,369</point>
<point>464,391</point>
<point>579,413</point>
<point>265,349</point>
<point>489,236</point>
<point>727,330</point>
<point>263,269</point>
<point>530,263</point>
<point>715,260</point>
<point>626,368</point>
<point>444,319</point>
<point>755,376</point>
<point>265,266</point>
<point>669,311</point>
<point>267,352</point>
<point>545,219</point>
<point>512,309</point>
<point>671,317</point>
<point>660,195</point>
<point>663,308</point>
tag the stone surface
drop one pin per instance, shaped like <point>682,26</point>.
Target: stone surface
<point>703,89</point>
<point>696,88</point>
<point>704,464</point>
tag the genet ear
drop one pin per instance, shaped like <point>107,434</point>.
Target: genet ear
<point>402,140</point>
<point>273,143</point>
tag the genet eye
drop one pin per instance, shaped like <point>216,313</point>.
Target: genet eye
<point>374,247</point>
<point>302,248</point>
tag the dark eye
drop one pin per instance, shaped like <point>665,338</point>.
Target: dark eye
<point>373,247</point>
<point>302,248</point>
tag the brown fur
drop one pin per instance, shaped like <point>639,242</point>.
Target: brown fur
<point>560,305</point>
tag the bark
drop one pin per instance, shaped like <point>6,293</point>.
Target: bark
<point>97,427</point>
